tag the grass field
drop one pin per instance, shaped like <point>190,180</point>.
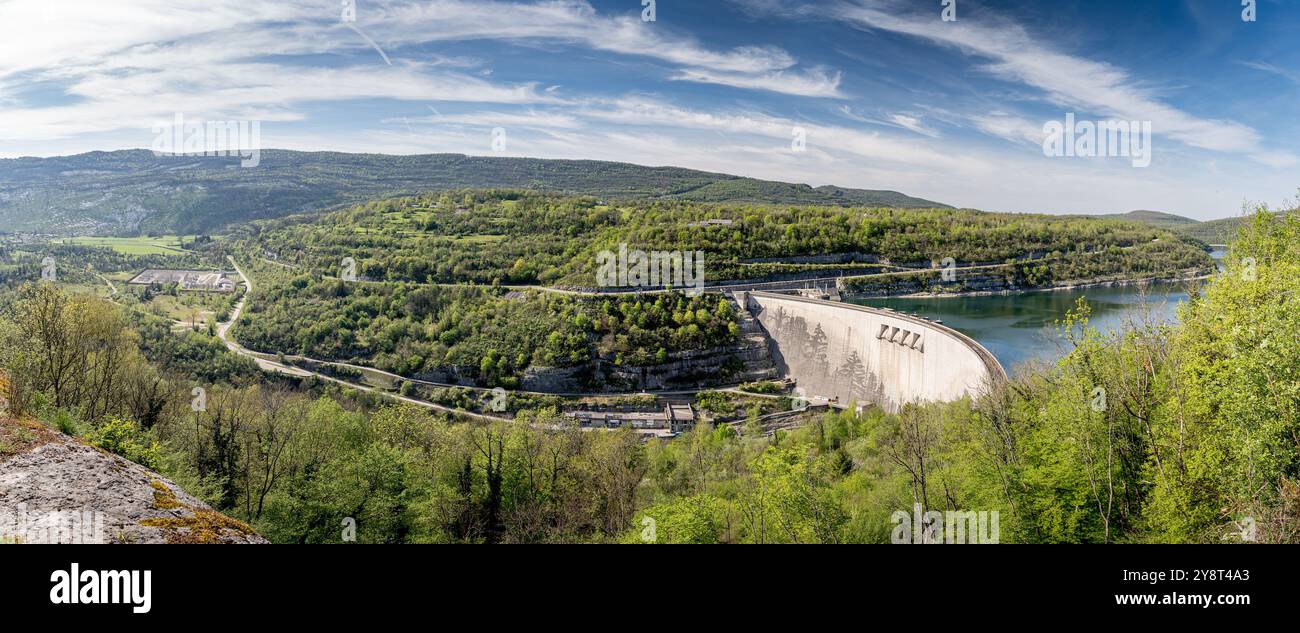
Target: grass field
<point>162,245</point>
<point>199,309</point>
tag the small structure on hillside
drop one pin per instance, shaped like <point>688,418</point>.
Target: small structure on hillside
<point>675,418</point>
<point>197,280</point>
<point>822,294</point>
<point>680,417</point>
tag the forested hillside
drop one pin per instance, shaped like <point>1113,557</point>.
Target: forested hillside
<point>1216,231</point>
<point>510,237</point>
<point>1157,433</point>
<point>482,334</point>
<point>1154,218</point>
<point>134,191</point>
<point>1219,231</point>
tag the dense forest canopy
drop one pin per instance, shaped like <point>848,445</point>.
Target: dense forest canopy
<point>493,335</point>
<point>509,237</point>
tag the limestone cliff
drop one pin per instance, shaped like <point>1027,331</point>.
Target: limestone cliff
<point>55,489</point>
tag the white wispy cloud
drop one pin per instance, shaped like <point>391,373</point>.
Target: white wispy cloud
<point>127,63</point>
<point>1068,80</point>
<point>574,21</point>
<point>910,122</point>
<point>1278,159</point>
<point>767,134</point>
<point>1012,128</point>
<point>530,119</point>
<point>759,66</point>
<point>815,82</point>
<point>265,92</point>
<point>1286,73</point>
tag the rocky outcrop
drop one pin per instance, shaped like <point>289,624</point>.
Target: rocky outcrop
<point>987,281</point>
<point>54,489</point>
<point>746,359</point>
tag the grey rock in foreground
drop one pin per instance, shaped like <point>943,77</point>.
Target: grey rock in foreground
<point>61,491</point>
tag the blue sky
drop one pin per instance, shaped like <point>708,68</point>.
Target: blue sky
<point>887,94</point>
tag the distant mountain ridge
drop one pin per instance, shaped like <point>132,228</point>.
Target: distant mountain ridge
<point>1211,231</point>
<point>1219,231</point>
<point>129,191</point>
<point>1154,218</point>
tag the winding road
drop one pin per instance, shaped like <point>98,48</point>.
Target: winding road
<point>265,363</point>
<point>723,288</point>
<point>269,363</point>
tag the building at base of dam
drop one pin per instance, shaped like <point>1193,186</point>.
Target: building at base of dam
<point>849,353</point>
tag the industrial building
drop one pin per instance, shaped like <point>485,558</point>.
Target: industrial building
<point>197,280</point>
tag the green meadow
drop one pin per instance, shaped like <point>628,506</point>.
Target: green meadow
<point>160,245</point>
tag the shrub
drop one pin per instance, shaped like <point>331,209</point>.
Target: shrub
<point>65,422</point>
<point>126,438</point>
<point>765,387</point>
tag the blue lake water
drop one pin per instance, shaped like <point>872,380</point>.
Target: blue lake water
<point>1021,327</point>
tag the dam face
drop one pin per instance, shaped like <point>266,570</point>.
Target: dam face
<point>851,353</point>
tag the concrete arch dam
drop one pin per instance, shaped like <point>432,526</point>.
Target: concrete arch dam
<point>850,353</point>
